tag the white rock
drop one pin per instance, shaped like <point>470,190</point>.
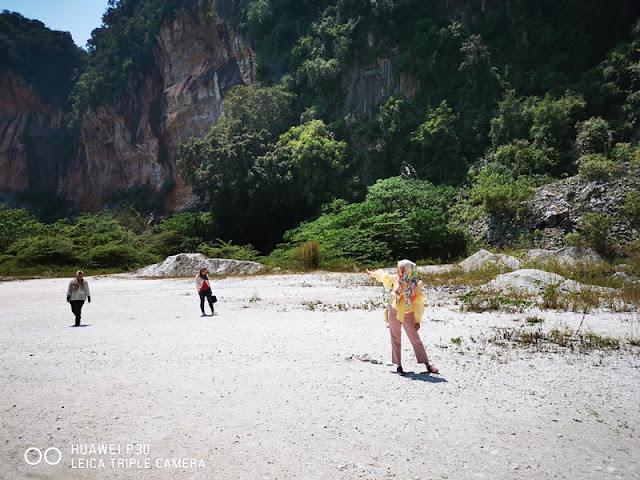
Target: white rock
<point>566,256</point>
<point>483,258</point>
<point>188,264</point>
<point>525,280</point>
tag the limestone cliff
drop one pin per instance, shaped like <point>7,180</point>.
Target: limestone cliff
<point>134,141</point>
<point>366,86</point>
<point>28,131</point>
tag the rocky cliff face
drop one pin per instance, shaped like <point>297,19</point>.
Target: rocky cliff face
<point>366,86</point>
<point>28,131</point>
<point>134,142</point>
<point>559,208</point>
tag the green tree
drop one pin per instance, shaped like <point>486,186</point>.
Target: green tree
<point>398,218</point>
<point>594,136</point>
<point>16,224</point>
<point>495,188</point>
<point>46,59</point>
<point>525,159</point>
<point>219,166</point>
<point>121,48</point>
<point>594,230</point>
<point>613,90</point>
<point>513,121</point>
<point>545,125</point>
<point>442,161</point>
<point>183,232</point>
<point>316,160</point>
<point>305,169</point>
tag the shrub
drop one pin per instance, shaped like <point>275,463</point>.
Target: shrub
<point>595,166</point>
<point>594,232</point>
<point>594,136</point>
<point>623,152</point>
<point>172,243</point>
<point>194,225</point>
<point>45,250</point>
<point>632,250</point>
<point>399,218</point>
<point>94,230</point>
<point>182,232</point>
<point>632,205</point>
<point>222,249</point>
<point>14,225</point>
<point>498,192</point>
<point>524,158</point>
<point>115,255</point>
<point>551,296</point>
<point>308,255</point>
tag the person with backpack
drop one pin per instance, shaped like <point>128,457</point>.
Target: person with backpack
<point>204,290</point>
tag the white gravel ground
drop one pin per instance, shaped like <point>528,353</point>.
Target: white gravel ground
<point>272,387</point>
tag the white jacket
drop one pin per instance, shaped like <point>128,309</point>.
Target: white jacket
<point>75,291</point>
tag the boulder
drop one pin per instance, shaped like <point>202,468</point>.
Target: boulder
<point>534,282</point>
<point>437,269</point>
<point>555,217</point>
<point>189,264</point>
<point>484,258</point>
<point>566,256</point>
<point>526,280</point>
<point>624,268</point>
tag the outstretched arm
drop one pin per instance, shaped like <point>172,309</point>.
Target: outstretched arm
<point>383,277</point>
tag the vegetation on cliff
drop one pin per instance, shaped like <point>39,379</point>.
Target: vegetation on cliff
<point>505,98</point>
<point>46,59</point>
<point>120,49</point>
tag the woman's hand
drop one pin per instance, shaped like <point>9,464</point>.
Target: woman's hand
<point>417,326</point>
<point>368,272</point>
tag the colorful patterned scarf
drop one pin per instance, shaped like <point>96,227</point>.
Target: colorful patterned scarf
<point>407,282</point>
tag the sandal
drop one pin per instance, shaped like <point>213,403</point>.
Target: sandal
<point>431,368</point>
<point>399,370</point>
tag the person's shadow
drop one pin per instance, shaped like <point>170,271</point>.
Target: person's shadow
<point>80,326</point>
<point>423,377</point>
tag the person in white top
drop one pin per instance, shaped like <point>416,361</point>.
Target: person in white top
<point>77,293</point>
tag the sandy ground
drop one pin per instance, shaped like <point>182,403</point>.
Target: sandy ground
<point>272,387</point>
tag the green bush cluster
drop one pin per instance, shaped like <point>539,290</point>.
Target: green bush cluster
<point>632,205</point>
<point>400,218</point>
<point>116,240</point>
<point>596,166</point>
<point>594,231</point>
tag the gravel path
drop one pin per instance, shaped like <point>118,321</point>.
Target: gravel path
<point>273,387</point>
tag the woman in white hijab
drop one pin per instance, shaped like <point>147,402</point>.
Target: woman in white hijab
<point>406,306</point>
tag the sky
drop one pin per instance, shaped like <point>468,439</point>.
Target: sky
<point>78,17</point>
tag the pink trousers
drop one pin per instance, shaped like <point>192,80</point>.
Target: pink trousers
<point>396,333</point>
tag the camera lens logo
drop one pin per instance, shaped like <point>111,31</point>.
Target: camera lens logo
<point>51,456</point>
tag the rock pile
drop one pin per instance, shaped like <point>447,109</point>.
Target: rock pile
<point>533,281</point>
<point>559,208</point>
<point>188,264</point>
